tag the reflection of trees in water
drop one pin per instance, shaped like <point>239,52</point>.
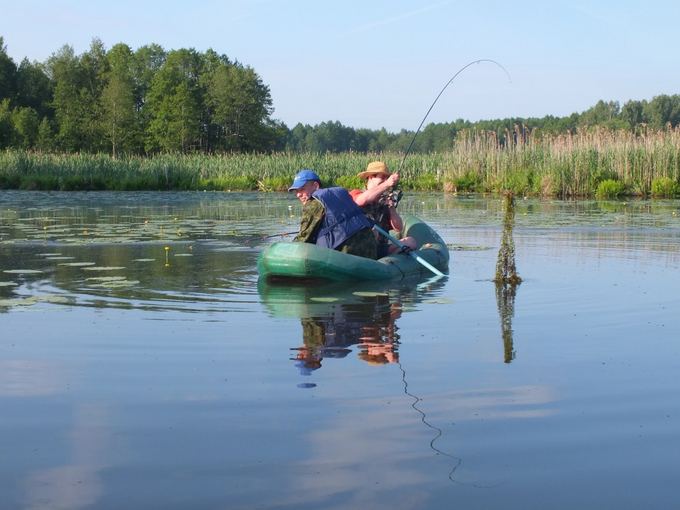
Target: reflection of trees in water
<point>507,280</point>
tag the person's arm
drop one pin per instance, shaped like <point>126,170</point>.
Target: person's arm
<point>371,195</point>
<point>395,220</point>
<point>312,215</point>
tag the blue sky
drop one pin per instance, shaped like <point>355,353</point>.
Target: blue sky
<point>381,63</point>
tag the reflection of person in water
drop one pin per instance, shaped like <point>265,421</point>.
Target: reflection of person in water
<point>369,324</point>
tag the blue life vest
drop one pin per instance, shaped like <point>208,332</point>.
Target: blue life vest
<point>342,218</point>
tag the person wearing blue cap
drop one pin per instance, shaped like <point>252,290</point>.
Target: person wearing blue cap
<point>330,218</point>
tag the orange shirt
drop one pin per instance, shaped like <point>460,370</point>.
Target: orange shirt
<point>355,193</point>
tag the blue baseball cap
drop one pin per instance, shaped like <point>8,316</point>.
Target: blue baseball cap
<point>303,176</point>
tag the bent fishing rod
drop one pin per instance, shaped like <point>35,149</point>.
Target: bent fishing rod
<point>408,150</point>
<point>420,126</point>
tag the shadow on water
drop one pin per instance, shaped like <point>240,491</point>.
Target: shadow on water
<point>336,319</point>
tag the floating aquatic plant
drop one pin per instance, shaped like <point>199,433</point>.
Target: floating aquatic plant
<point>438,301</point>
<point>32,300</point>
<point>117,284</point>
<point>104,268</point>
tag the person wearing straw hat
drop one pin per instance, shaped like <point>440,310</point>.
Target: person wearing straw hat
<point>379,207</point>
<point>331,219</point>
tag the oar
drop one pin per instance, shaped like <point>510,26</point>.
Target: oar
<point>406,249</point>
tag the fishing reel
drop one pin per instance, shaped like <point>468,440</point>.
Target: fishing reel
<point>390,198</point>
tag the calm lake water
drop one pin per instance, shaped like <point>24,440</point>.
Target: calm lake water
<point>143,366</point>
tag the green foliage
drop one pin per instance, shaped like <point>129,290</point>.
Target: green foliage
<point>468,182</point>
<point>665,187</point>
<point>26,124</point>
<point>582,166</point>
<point>127,102</point>
<point>610,188</point>
<point>45,139</point>
<point>119,114</point>
<point>518,182</point>
<point>8,74</point>
<point>6,125</point>
<point>349,182</point>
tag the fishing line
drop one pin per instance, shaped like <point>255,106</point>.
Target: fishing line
<point>439,433</point>
<point>408,150</point>
<point>423,418</point>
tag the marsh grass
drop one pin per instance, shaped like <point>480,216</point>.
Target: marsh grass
<point>525,163</point>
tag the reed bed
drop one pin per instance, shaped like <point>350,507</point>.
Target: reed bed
<point>594,162</point>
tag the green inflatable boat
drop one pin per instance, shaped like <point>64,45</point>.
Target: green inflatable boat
<point>304,261</point>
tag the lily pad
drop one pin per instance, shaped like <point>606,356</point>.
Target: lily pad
<point>143,260</point>
<point>54,298</point>
<point>9,303</point>
<point>77,264</point>
<point>324,299</point>
<point>8,284</point>
<point>438,301</point>
<point>22,271</point>
<point>369,294</point>
<point>118,284</point>
<point>32,300</point>
<point>459,247</point>
<point>104,268</point>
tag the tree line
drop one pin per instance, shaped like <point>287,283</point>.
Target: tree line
<point>150,100</point>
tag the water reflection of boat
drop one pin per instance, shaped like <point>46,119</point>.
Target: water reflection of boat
<point>286,260</point>
<point>336,317</point>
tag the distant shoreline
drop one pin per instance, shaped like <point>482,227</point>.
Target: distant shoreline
<point>605,164</point>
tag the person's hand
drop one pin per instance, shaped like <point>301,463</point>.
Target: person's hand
<point>392,180</point>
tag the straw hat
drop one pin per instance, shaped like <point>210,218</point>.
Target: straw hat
<point>374,168</point>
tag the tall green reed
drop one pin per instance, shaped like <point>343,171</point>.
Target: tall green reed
<point>526,163</point>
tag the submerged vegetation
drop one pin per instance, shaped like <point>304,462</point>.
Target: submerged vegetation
<point>596,162</point>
